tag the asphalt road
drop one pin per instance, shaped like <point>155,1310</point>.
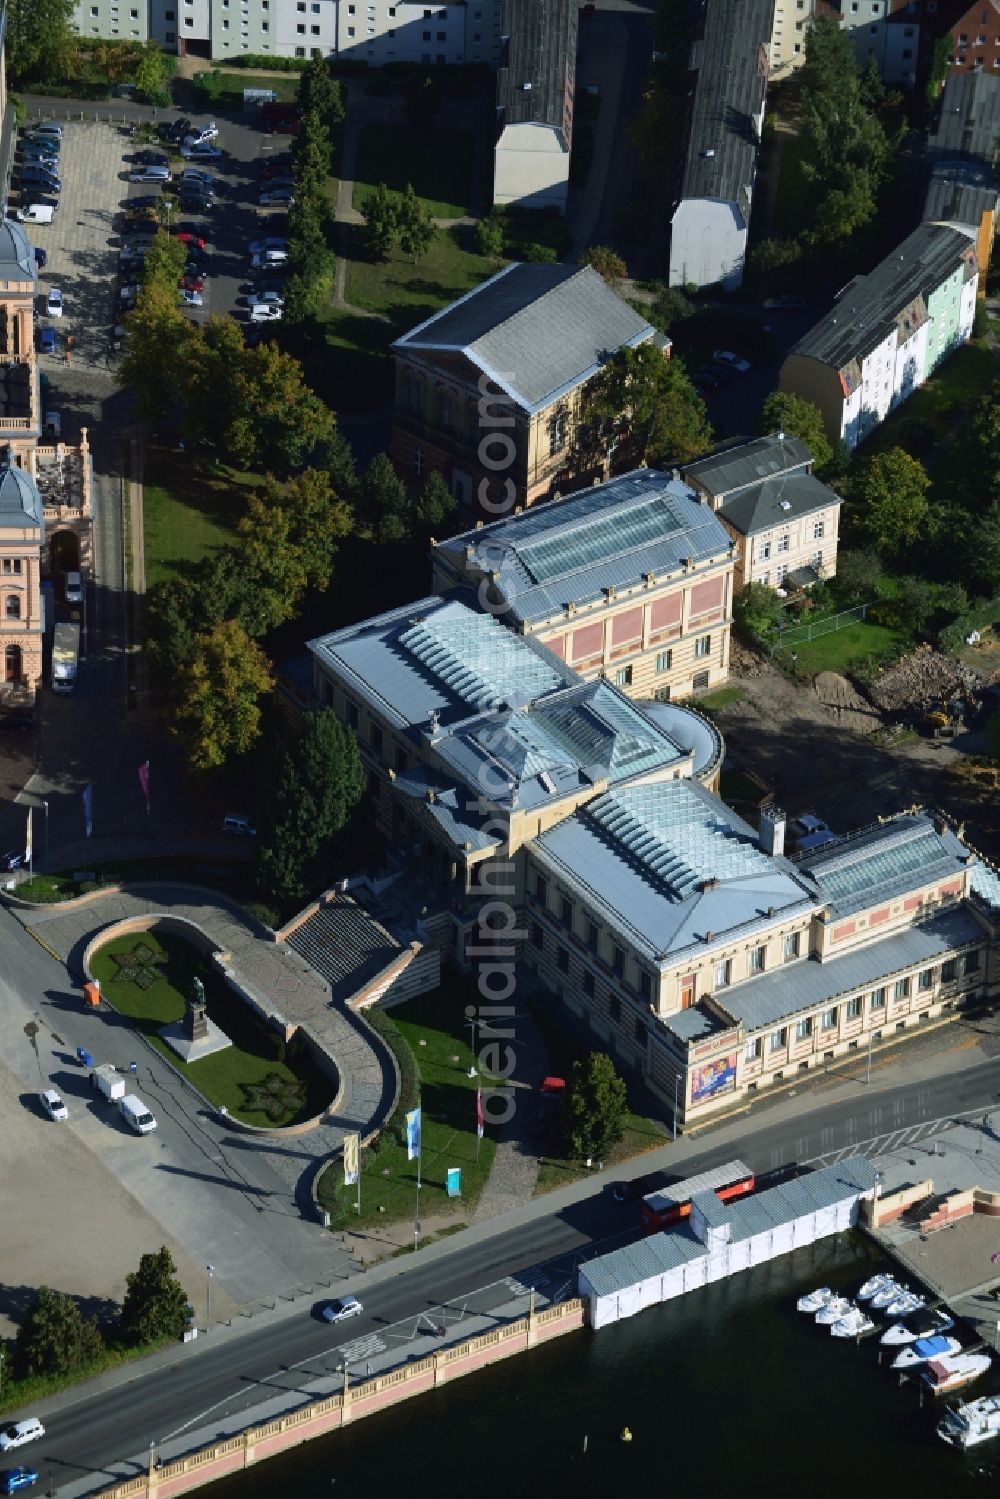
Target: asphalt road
<point>205,1384</point>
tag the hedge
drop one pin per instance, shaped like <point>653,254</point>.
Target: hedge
<point>409,1075</point>
<point>980,617</point>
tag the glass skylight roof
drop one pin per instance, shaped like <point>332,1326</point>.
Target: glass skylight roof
<point>610,532</point>
<point>478,659</point>
<point>854,872</point>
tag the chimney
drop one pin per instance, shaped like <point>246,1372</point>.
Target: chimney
<point>772,830</point>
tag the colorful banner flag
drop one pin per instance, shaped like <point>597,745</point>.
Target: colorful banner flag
<point>480,1120</point>
<point>144,782</point>
<point>352,1150</point>
<point>88,812</point>
<point>453,1181</point>
<point>27,839</point>
<point>412,1134</point>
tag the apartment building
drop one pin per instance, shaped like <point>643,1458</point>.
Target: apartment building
<point>725,116</point>
<point>783,520</point>
<point>887,332</point>
<point>536,82</point>
<point>963,190</point>
<point>21,534</point>
<point>630,580</point>
<point>372,31</point>
<point>488,391</point>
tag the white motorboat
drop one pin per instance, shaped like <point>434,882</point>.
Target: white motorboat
<point>967,1425</point>
<point>888,1293</point>
<point>814,1300</point>
<point>874,1284</point>
<point>836,1307</point>
<point>924,1349</point>
<point>852,1324</point>
<point>896,1335</point>
<point>905,1304</point>
<point>953,1370</point>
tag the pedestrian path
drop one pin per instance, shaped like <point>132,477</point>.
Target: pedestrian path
<point>514,1172</point>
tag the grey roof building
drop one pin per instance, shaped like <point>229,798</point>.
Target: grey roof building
<point>880,863</point>
<point>723,128</point>
<point>572,550</point>
<point>20,502</point>
<point>535,87</point>
<point>17,259</point>
<point>744,462</point>
<point>535,331</point>
<point>963,188</point>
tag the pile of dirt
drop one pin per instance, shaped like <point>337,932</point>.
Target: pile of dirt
<point>743,662</point>
<point>919,679</point>
<point>842,701</point>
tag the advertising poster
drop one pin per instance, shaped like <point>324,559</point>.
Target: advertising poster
<point>714,1078</point>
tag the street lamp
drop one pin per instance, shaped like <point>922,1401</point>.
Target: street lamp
<point>46,807</point>
<point>871,1038</point>
<point>471,1023</point>
<point>677,1083</point>
<point>208,1315</point>
<point>345,1371</point>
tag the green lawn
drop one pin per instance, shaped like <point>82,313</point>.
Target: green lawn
<point>189,510</point>
<point>437,163</point>
<point>218,86</point>
<point>434,1028</point>
<point>721,697</point>
<point>406,293</point>
<point>841,649</point>
<point>950,394</point>
<point>795,198</point>
<point>737,787</point>
<point>247,1076</point>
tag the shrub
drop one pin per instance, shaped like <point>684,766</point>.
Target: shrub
<point>256,60</point>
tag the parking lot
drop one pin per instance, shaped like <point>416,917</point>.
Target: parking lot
<point>84,241</point>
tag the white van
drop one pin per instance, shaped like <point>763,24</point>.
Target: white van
<point>36,213</point>
<point>136,1114</point>
<point>238,825</point>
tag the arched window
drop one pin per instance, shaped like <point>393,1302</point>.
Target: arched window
<point>12,606</point>
<point>12,663</point>
<point>446,410</point>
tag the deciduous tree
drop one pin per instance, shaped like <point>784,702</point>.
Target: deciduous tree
<point>277,421</point>
<point>647,405</point>
<point>289,535</point>
<point>595,1107</point>
<point>415,228</point>
<point>784,412</point>
<point>434,507</point>
<point>757,609</point>
<point>321,94</point>
<point>38,38</point>
<point>380,212</point>
<point>309,784</point>
<point>217,714</point>
<point>382,504</point>
<point>155,1304</point>
<point>606,262</point>
<point>891,506</point>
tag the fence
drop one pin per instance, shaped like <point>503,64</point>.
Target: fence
<point>800,634</point>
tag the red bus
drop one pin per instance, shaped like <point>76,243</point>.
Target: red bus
<point>670,1204</point>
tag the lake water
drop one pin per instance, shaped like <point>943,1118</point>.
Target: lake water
<point>724,1390</point>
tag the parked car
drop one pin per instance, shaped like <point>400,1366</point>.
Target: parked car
<point>206,152</point>
<point>191,239</point>
<point>17,718</point>
<point>266,299</point>
<point>152,158</point>
<point>195,174</point>
<point>261,258</point>
<point>39,151</point>
<point>40,257</point>
<point>191,298</point>
<point>128,294</point>
<point>142,200</point>
<point>277,165</point>
<point>13,859</point>
<point>47,341</point>
<point>281,197</point>
<point>138,216</point>
<point>176,131</point>
<point>54,302</point>
<point>267,312</point>
<point>787,302</point>
<point>45,128</point>
<point>37,173</point>
<point>53,1104</point>
<point>20,1432</point>
<point>73,588</point>
<point>150,174</point>
<point>13,1480</point>
<point>340,1309</point>
<point>731,360</point>
<point>200,135</point>
<point>192,283</point>
<point>238,825</point>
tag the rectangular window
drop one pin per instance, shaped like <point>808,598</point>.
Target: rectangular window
<point>753,1049</point>
<point>791,946</point>
<point>664,660</point>
<point>537,936</point>
<point>830,1019</point>
<point>783,543</point>
<point>926,979</point>
<point>662,694</point>
<point>591,936</point>
<point>587,984</point>
<point>765,551</point>
<point>949,969</point>
<point>376,738</point>
<point>618,960</point>
<point>854,1007</point>
<point>699,681</point>
<point>779,1039</point>
<point>614,1008</point>
<point>351,709</point>
<point>804,1029</point>
<point>818,529</point>
<point>639,1030</point>
<point>878,999</point>
<point>722,973</point>
<point>12,565</point>
<point>542,891</point>
<point>902,989</point>
<point>623,676</point>
<point>757,958</point>
<point>970,963</point>
<point>566,910</point>
<point>702,647</point>
<point>562,960</point>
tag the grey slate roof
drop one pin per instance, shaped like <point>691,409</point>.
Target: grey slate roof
<point>20,502</point>
<point>721,153</point>
<point>748,1216</point>
<point>569,550</point>
<point>775,502</point>
<point>865,313</point>
<point>17,259</point>
<point>450,810</point>
<point>689,730</point>
<point>539,49</point>
<point>960,149</point>
<point>747,461</point>
<point>537,331</point>
<point>986,886</point>
<point>438,655</point>
<point>881,862</point>
<point>670,865</point>
<point>777,996</point>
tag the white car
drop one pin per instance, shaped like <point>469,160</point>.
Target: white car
<point>73,587</point>
<point>265,312</point>
<point>150,174</point>
<point>731,361</point>
<point>263,258</point>
<point>53,1104</point>
<point>342,1308</point>
<point>128,294</point>
<point>54,302</point>
<point>202,135</point>
<point>191,298</point>
<point>20,1432</point>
